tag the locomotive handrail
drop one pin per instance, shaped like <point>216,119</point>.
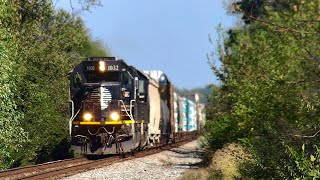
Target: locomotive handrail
<point>72,114</point>
<point>72,107</point>
<point>131,106</point>
<point>72,118</point>
<point>130,115</point>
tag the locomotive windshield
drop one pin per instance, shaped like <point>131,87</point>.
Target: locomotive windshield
<point>103,77</point>
<point>123,77</point>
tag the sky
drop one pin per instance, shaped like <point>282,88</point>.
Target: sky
<point>167,35</point>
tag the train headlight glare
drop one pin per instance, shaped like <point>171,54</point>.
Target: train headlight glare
<point>102,66</point>
<point>115,116</point>
<point>87,116</point>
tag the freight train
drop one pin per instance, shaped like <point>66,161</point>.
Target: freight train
<point>116,108</point>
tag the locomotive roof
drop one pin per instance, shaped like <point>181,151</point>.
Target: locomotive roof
<point>140,73</point>
<point>152,75</point>
<point>156,75</point>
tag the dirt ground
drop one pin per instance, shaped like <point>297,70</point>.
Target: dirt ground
<point>223,165</point>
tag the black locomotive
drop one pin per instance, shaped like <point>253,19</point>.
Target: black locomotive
<point>116,108</point>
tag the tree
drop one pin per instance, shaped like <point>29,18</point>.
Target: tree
<point>12,135</point>
<point>269,97</point>
<point>39,46</point>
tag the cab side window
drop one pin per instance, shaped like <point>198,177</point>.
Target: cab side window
<point>127,81</point>
<point>77,80</point>
<point>141,88</point>
<point>142,94</point>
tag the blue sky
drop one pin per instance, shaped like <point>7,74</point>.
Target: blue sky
<point>169,35</point>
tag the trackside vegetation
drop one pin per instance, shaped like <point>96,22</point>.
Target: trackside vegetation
<point>269,97</point>
<point>39,45</point>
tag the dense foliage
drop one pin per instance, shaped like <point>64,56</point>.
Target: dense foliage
<point>38,47</point>
<point>11,134</point>
<point>269,94</point>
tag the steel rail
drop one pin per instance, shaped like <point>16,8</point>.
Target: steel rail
<point>65,168</point>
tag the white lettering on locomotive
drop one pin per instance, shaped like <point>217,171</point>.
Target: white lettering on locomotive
<point>91,68</point>
<point>113,68</point>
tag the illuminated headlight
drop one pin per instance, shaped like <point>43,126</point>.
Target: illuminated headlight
<point>87,116</point>
<point>102,66</point>
<point>115,116</point>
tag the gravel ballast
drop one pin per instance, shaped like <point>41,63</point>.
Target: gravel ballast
<point>168,164</point>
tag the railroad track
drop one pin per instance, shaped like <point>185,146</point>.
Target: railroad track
<point>64,168</point>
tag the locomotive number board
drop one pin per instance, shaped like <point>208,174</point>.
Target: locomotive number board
<point>110,66</point>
